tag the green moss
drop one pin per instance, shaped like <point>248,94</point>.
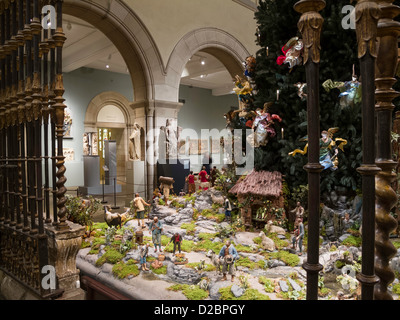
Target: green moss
<point>268,284</point>
<point>257,240</point>
<point>396,288</point>
<point>324,292</point>
<point>186,246</point>
<point>192,292</point>
<point>339,264</point>
<point>100,225</point>
<point>85,244</point>
<point>279,243</point>
<point>189,227</point>
<point>396,244</point>
<point>246,262</point>
<point>122,270</point>
<point>207,266</point>
<point>162,270</point>
<point>96,243</point>
<point>242,248</point>
<point>206,245</point>
<point>175,203</point>
<point>290,259</point>
<point>212,215</point>
<point>196,214</point>
<point>206,236</point>
<point>190,198</point>
<point>261,264</point>
<point>250,294</point>
<point>112,256</point>
<point>352,241</point>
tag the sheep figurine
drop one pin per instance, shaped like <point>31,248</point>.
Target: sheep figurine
<point>112,219</point>
<point>214,260</point>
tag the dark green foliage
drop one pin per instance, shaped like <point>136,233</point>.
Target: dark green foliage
<point>277,21</point>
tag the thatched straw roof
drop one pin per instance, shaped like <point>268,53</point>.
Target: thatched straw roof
<point>259,183</point>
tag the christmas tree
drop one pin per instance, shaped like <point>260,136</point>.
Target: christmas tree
<point>277,24</point>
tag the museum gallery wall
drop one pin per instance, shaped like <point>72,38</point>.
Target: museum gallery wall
<point>200,110</point>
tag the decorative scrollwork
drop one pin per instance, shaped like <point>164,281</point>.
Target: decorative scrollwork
<point>310,26</point>
<point>367,16</point>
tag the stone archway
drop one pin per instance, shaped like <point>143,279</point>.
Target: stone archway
<point>108,98</point>
<point>216,42</point>
<point>127,32</point>
<point>117,21</point>
<point>119,121</point>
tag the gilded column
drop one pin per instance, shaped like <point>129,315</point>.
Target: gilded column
<point>310,26</point>
<point>367,15</point>
<point>386,198</point>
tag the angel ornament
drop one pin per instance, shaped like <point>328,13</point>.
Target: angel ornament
<point>263,126</point>
<point>329,149</point>
<point>244,91</point>
<point>292,53</point>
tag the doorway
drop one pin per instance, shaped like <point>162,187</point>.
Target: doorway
<point>115,134</point>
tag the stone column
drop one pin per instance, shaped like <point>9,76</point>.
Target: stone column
<point>151,115</point>
<point>63,248</point>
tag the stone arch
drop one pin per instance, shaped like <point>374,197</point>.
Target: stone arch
<point>108,98</point>
<point>117,21</point>
<point>216,42</point>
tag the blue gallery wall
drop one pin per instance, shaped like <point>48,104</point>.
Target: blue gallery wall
<point>200,110</point>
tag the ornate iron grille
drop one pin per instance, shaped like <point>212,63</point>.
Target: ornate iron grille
<point>31,124</point>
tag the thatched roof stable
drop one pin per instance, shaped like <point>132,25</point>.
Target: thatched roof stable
<point>259,183</point>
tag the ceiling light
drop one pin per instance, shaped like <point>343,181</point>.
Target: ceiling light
<point>107,66</point>
<point>203,62</point>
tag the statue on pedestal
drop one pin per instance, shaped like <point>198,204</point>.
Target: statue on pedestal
<point>134,143</point>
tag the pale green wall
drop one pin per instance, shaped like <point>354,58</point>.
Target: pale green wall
<point>201,109</point>
<point>81,86</point>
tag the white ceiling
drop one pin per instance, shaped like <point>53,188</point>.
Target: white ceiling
<point>88,47</point>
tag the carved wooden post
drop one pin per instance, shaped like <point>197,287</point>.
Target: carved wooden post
<point>386,64</point>
<point>59,106</point>
<point>2,117</point>
<point>310,26</point>
<point>367,15</point>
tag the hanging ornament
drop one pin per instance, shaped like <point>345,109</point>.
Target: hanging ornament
<point>292,53</point>
<point>350,91</point>
<point>300,90</point>
<point>250,67</point>
<point>329,148</point>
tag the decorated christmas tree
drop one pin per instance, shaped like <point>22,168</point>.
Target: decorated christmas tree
<point>279,78</point>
